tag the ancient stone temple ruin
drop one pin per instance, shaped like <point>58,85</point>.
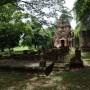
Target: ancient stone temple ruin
<point>85,40</point>
<point>63,35</point>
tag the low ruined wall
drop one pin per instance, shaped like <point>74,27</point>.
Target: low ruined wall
<point>85,40</point>
<point>48,54</point>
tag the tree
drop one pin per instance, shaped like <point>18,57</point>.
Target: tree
<point>43,38</point>
<point>42,8</point>
<point>82,8</point>
<point>11,27</point>
<point>2,2</point>
<point>31,28</point>
<point>49,32</point>
<point>36,36</point>
<point>66,15</point>
<point>33,32</point>
<point>9,36</point>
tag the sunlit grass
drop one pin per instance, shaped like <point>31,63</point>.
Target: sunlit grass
<point>77,80</point>
<point>57,80</point>
<point>86,57</point>
<point>72,80</point>
<point>12,81</point>
<point>65,80</point>
<point>20,48</point>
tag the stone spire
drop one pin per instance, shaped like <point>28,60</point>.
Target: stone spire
<point>62,35</point>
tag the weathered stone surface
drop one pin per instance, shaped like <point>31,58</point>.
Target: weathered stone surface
<point>63,35</point>
<point>85,40</point>
<point>76,61</point>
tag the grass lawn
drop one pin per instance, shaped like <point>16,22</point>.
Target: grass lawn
<point>86,57</point>
<point>71,80</point>
<point>12,81</point>
<point>20,48</point>
<point>57,80</point>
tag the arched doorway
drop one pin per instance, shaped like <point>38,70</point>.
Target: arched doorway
<point>62,43</point>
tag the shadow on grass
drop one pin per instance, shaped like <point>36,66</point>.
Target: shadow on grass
<point>76,80</point>
<point>61,80</point>
<point>12,81</point>
<point>66,80</point>
<point>86,55</point>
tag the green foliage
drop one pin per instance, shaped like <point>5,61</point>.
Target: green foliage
<point>36,36</point>
<point>6,12</point>
<point>10,31</point>
<point>66,15</point>
<point>50,33</point>
<point>30,33</point>
<point>9,36</point>
<point>77,30</point>
<point>36,7</point>
<point>2,2</point>
<point>82,8</point>
<point>77,34</point>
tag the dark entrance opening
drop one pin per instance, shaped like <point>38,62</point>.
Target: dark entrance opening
<point>62,43</point>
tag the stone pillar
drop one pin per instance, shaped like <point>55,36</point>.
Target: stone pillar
<point>42,62</point>
<point>76,61</point>
<point>78,54</point>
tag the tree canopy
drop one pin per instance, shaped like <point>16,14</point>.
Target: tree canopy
<point>2,2</point>
<point>10,26</point>
<point>82,8</point>
<point>40,8</point>
<point>18,30</point>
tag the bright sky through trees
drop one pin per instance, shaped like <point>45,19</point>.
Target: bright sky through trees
<point>70,4</point>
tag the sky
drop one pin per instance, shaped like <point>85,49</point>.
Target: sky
<point>70,4</point>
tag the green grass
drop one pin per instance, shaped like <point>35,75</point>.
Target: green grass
<point>17,50</point>
<point>76,80</point>
<point>12,81</point>
<point>21,48</point>
<point>58,80</point>
<point>86,57</point>
<point>71,80</point>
